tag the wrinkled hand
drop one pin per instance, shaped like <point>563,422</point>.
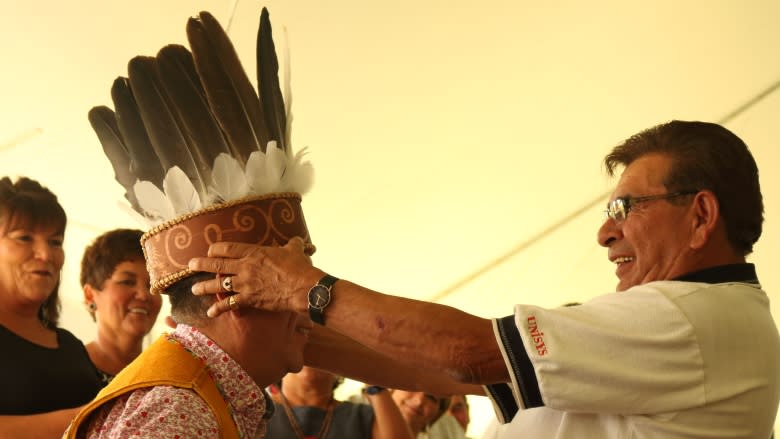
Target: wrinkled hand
<point>268,278</point>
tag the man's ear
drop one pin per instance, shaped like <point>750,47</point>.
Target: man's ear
<point>706,215</point>
<point>170,322</point>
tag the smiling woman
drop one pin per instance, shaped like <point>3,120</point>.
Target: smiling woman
<point>46,370</point>
<point>116,293</point>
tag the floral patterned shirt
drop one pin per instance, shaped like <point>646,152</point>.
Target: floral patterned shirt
<point>172,412</point>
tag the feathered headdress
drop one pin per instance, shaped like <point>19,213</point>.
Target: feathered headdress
<point>201,157</point>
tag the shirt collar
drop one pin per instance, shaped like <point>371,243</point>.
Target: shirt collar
<point>745,273</point>
<point>248,402</point>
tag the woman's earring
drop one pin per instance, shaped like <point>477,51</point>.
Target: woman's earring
<point>91,308</point>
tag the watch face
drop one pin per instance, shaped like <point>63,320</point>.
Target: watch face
<point>319,297</point>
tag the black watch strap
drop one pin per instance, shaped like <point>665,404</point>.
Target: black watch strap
<point>320,297</point>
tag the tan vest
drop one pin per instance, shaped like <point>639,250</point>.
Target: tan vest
<point>164,363</point>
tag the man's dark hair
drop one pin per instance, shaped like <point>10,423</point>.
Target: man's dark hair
<point>186,307</point>
<point>705,156</point>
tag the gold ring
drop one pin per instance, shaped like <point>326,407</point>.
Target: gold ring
<point>227,283</point>
<point>232,303</point>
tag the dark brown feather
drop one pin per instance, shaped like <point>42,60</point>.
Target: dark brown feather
<point>188,101</point>
<point>230,94</point>
<point>144,162</point>
<point>162,121</point>
<point>104,123</point>
<point>268,82</point>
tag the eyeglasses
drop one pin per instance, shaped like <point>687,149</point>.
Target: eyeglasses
<point>618,208</point>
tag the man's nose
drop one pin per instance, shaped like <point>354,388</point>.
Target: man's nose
<point>608,233</point>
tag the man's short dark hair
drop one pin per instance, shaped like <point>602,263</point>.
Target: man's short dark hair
<point>186,307</point>
<point>705,156</point>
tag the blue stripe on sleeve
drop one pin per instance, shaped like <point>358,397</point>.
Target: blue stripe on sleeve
<point>522,368</point>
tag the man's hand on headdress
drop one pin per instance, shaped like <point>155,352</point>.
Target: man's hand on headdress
<point>267,278</point>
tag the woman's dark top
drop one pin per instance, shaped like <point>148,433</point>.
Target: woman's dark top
<point>37,379</point>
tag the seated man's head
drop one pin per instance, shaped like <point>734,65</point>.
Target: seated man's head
<point>267,344</point>
<point>201,175</point>
<point>688,199</point>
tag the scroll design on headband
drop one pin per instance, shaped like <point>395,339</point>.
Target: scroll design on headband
<point>266,220</point>
<point>251,223</point>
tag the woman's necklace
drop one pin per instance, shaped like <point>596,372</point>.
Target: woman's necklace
<point>294,421</point>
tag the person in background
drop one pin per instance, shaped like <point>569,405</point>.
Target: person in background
<point>686,347</point>
<point>459,409</point>
<point>446,427</point>
<point>309,410</point>
<point>420,409</point>
<point>116,292</point>
<point>46,371</point>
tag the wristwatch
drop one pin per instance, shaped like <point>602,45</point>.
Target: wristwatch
<point>319,298</point>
